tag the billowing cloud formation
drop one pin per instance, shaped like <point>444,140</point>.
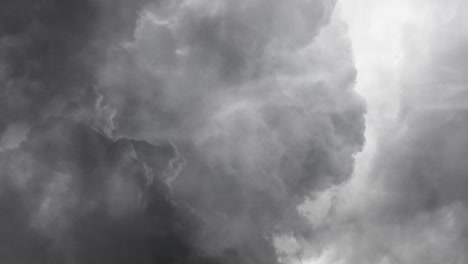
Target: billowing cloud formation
<point>254,100</point>
<point>412,206</point>
<point>257,94</point>
<point>50,51</point>
<point>71,195</point>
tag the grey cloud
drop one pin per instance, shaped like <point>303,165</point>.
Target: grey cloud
<point>256,98</point>
<point>412,205</point>
<point>263,112</point>
<point>428,158</point>
<point>72,195</point>
<point>50,52</point>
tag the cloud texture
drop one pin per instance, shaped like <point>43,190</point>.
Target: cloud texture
<point>170,131</point>
<point>411,207</point>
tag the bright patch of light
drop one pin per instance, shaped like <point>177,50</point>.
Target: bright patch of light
<point>375,29</point>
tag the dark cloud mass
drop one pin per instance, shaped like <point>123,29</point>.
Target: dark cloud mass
<point>169,131</point>
<point>50,51</point>
<point>71,195</point>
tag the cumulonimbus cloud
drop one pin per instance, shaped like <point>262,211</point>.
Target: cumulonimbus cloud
<point>255,97</point>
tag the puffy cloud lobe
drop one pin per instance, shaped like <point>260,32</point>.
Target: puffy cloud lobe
<point>256,95</point>
<point>72,195</point>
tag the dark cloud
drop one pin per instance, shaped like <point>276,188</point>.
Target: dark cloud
<point>50,52</point>
<point>258,97</point>
<point>71,195</point>
<point>252,104</point>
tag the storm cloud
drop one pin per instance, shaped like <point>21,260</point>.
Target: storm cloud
<point>262,109</point>
<point>170,131</point>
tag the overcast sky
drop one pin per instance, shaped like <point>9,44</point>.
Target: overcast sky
<point>406,201</point>
<point>220,131</point>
